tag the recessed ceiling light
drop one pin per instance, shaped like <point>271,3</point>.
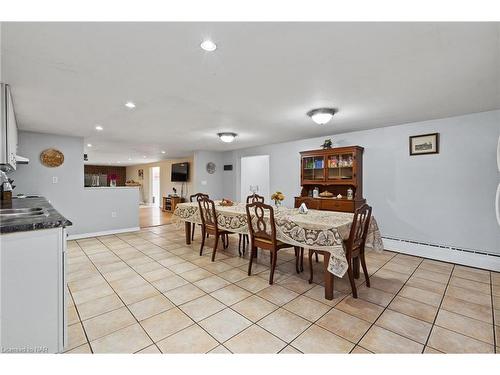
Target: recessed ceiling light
<point>321,115</point>
<point>129,159</point>
<point>130,105</point>
<point>227,137</point>
<point>89,144</point>
<point>144,156</point>
<point>99,127</point>
<point>118,162</point>
<point>208,45</point>
<point>163,151</point>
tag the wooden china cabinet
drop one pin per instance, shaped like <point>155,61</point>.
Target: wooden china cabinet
<point>334,170</point>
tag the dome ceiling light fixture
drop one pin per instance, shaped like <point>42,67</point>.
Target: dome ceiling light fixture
<point>227,137</point>
<point>208,45</point>
<point>321,115</point>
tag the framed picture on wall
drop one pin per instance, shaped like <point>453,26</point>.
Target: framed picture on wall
<point>424,144</point>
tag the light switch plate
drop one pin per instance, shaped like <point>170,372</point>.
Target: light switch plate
<point>204,182</point>
<point>55,179</point>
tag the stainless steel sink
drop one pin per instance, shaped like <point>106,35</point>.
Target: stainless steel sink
<point>11,213</point>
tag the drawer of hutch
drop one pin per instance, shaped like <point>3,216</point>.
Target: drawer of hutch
<point>337,205</point>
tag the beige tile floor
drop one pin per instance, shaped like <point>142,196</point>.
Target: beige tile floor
<point>148,292</point>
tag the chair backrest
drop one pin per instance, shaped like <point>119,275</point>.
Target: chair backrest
<point>359,228</point>
<point>197,196</point>
<point>255,198</point>
<point>207,212</point>
<point>257,214</point>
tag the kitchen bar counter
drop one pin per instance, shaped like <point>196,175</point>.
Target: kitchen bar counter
<point>50,219</point>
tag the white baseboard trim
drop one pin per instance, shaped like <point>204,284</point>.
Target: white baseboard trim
<point>103,233</point>
<point>465,258</point>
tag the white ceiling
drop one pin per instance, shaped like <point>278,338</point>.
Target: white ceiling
<point>259,83</point>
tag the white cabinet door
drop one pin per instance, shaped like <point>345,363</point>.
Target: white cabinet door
<point>32,291</point>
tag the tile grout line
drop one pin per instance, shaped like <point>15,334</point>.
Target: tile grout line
<point>385,308</point>
<point>125,261</point>
<point>439,309</point>
<point>226,306</point>
<point>163,338</point>
<point>125,305</point>
<point>236,302</point>
<point>465,316</point>
<point>79,321</point>
<point>228,254</point>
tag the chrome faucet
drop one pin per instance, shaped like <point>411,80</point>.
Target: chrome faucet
<point>6,182</point>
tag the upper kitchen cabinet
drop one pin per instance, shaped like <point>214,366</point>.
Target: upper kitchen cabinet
<point>8,132</point>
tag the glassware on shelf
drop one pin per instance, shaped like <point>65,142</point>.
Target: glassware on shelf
<point>349,194</point>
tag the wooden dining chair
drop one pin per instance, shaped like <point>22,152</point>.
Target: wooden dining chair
<point>209,225</point>
<point>263,235</point>
<point>354,247</point>
<point>194,198</point>
<point>243,240</point>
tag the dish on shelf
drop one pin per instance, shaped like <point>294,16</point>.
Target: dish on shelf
<point>226,203</point>
<point>325,194</point>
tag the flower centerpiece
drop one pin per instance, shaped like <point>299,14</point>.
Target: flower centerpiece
<point>278,197</point>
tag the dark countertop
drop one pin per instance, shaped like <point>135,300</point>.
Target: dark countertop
<point>51,218</point>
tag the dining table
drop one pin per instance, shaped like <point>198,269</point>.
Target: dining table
<point>316,229</point>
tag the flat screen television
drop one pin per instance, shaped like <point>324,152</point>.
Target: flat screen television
<point>180,172</point>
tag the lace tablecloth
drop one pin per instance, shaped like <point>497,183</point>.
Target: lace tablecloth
<point>319,230</point>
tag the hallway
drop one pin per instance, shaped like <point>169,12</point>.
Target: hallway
<point>150,216</point>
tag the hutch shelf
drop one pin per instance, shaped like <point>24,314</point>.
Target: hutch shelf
<point>335,171</point>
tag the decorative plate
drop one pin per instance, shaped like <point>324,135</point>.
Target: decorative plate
<point>52,158</point>
<point>211,168</point>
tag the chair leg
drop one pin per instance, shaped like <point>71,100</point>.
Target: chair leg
<point>310,266</point>
<point>240,238</point>
<point>301,259</point>
<point>355,267</point>
<point>365,270</point>
<point>245,242</point>
<point>215,246</point>
<point>297,258</point>
<point>192,231</point>
<point>202,240</point>
<point>274,255</point>
<point>316,256</point>
<point>351,280</point>
<point>253,250</point>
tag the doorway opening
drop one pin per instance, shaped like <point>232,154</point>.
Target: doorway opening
<point>155,186</point>
<point>254,176</point>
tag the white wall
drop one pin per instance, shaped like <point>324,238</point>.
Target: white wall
<point>445,199</point>
<point>204,182</point>
<point>254,171</point>
<point>1,54</point>
<point>90,210</point>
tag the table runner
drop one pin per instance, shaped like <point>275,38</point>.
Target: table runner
<point>319,230</point>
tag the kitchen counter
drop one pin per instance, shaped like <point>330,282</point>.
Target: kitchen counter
<point>51,218</point>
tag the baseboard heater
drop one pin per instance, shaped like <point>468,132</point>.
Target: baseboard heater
<point>467,257</point>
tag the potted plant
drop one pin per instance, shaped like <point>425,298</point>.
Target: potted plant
<point>278,197</point>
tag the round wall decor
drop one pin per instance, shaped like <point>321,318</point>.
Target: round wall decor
<point>211,168</point>
<point>52,157</point>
